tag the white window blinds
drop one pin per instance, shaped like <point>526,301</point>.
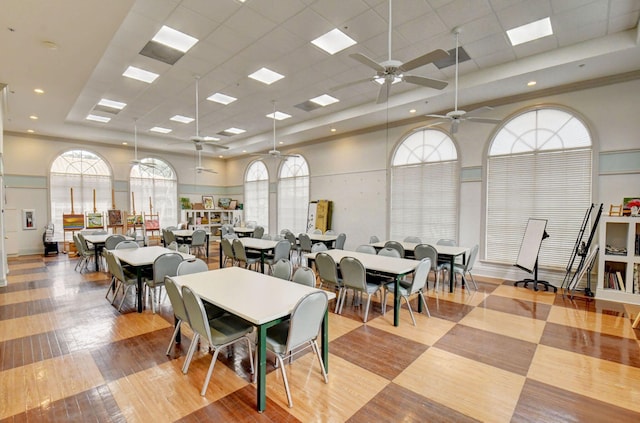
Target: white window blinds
<point>293,195</point>
<point>157,181</point>
<point>256,195</point>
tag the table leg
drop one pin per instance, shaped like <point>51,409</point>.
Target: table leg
<point>261,379</point>
<point>262,261</point>
<point>139,294</point>
<point>220,253</point>
<point>396,302</point>
<point>451,272</point>
<point>178,334</point>
<point>207,239</point>
<point>324,336</point>
<point>95,249</point>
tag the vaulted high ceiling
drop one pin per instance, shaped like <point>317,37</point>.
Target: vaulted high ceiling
<point>77,50</point>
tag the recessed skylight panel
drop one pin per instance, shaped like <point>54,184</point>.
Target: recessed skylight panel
<point>221,98</point>
<point>174,39</point>
<point>181,119</point>
<point>278,115</point>
<point>160,130</point>
<point>97,118</point>
<point>140,74</point>
<point>333,41</point>
<point>324,100</point>
<point>529,32</point>
<point>112,104</point>
<point>266,76</point>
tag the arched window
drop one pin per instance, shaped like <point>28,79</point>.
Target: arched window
<point>293,194</point>
<point>85,172</point>
<point>424,187</point>
<point>256,194</point>
<point>539,166</point>
<point>155,179</point>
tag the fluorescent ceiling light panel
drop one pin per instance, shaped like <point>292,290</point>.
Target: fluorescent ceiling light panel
<point>97,118</point>
<point>181,119</point>
<point>221,98</point>
<point>234,131</point>
<point>140,74</point>
<point>324,100</point>
<point>174,39</point>
<point>529,32</point>
<point>112,104</point>
<point>160,130</point>
<point>333,41</point>
<point>278,115</point>
<point>266,76</point>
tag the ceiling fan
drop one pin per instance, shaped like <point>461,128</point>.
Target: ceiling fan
<point>135,160</point>
<point>391,71</point>
<point>199,168</point>
<point>456,116</point>
<point>197,140</point>
<point>274,153</point>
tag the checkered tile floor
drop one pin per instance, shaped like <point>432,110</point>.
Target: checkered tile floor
<point>499,354</point>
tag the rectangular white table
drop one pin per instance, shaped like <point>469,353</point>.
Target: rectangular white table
<point>141,258</point>
<point>328,240</point>
<point>186,234</point>
<point>444,252</point>
<point>396,267</point>
<point>243,231</point>
<point>261,245</point>
<point>98,242</point>
<point>261,300</point>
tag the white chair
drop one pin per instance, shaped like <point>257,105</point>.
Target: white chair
<point>423,251</point>
<point>328,273</point>
<point>395,245</point>
<point>413,239</point>
<point>365,248</point>
<point>300,330</point>
<point>330,232</point>
<point>227,252</point>
<point>373,239</point>
<point>241,256</point>
<point>164,265</point>
<point>280,251</point>
<point>319,246</point>
<point>413,286</point>
<point>340,240</point>
<point>354,276</point>
<point>198,241</point>
<point>124,280</point>
<point>304,276</point>
<point>219,332</point>
<point>464,269</point>
<point>179,312</point>
<point>282,269</point>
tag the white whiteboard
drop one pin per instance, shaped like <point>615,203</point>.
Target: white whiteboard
<point>530,247</point>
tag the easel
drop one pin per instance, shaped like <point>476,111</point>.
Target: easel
<point>70,248</point>
<point>115,223</point>
<point>581,249</point>
<point>135,222</point>
<point>152,224</point>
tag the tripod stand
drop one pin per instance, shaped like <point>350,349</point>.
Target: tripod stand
<point>581,249</point>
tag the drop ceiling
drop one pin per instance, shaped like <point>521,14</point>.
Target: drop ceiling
<point>76,51</point>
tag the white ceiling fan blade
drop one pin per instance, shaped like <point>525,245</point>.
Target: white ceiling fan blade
<point>425,59</point>
<point>349,84</point>
<point>367,62</point>
<point>483,120</point>
<point>438,116</point>
<point>480,110</point>
<point>454,125</point>
<point>201,169</point>
<point>383,94</point>
<point>425,82</point>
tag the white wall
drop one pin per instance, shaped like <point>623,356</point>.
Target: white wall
<point>352,171</point>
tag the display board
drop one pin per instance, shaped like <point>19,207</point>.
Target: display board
<point>530,247</point>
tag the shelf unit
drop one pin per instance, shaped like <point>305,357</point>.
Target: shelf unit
<point>211,220</point>
<point>623,262</point>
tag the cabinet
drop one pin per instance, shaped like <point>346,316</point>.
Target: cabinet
<point>211,220</point>
<point>619,260</point>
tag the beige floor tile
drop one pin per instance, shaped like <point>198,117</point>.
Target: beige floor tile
<point>163,393</point>
<point>47,381</point>
<point>461,296</point>
<point>527,294</point>
<point>28,325</point>
<point>339,325</point>
<point>605,323</point>
<point>428,330</point>
<point>29,265</point>
<point>350,387</point>
<point>506,324</point>
<point>436,374</point>
<point>24,296</point>
<point>617,383</point>
<point>27,277</point>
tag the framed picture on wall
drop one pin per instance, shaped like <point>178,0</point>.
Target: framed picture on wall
<point>28,219</point>
<point>114,218</point>
<point>207,202</point>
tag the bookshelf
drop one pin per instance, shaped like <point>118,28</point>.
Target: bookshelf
<point>619,260</point>
<point>211,220</point>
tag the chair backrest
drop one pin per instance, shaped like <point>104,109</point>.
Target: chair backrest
<point>414,239</point>
<point>227,248</point>
<point>389,252</point>
<point>83,241</point>
<point>196,313</point>
<point>472,258</point>
<point>319,246</point>
<point>327,269</point>
<point>227,228</point>
<point>230,236</point>
<point>175,297</point>
<point>113,240</point>
<point>305,242</point>
<point>306,319</point>
<point>76,241</point>
<point>198,238</point>
<point>342,237</point>
<point>289,236</point>
<point>421,274</point>
<point>169,237</point>
<point>258,231</point>
<point>316,231</point>
<point>187,267</point>
<point>373,239</point>
<point>238,250</point>
<point>115,268</point>
<point>365,248</point>
<point>395,245</point>
<point>284,231</point>
<point>171,228</point>
<point>304,276</point>
<point>251,224</point>
<point>282,269</point>
<point>447,242</point>
<point>173,246</point>
<point>423,251</point>
<point>281,250</point>
<point>127,244</point>
<point>183,248</point>
<point>330,232</point>
<point>166,265</point>
<point>266,236</point>
<point>353,272</point>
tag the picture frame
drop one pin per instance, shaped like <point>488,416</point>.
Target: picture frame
<point>95,221</point>
<point>114,218</point>
<point>233,204</point>
<point>72,222</point>
<point>207,202</point>
<point>28,219</point>
<point>223,202</point>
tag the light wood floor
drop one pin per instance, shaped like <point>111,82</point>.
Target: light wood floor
<point>501,354</point>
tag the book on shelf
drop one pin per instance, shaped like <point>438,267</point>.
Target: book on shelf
<point>620,281</point>
<point>636,278</point>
